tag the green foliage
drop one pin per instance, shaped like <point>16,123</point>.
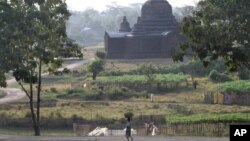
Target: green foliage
<point>244,73</point>
<point>194,68</point>
<point>110,93</point>
<point>140,79</point>
<point>216,76</point>
<point>96,67</point>
<point>116,93</point>
<point>34,33</point>
<point>101,54</point>
<point>219,29</point>
<point>239,87</point>
<point>128,115</point>
<point>148,70</point>
<point>25,76</point>
<point>199,118</point>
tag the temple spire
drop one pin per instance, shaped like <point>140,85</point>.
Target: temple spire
<point>125,27</point>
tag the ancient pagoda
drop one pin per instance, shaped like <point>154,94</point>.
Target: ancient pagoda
<point>153,36</point>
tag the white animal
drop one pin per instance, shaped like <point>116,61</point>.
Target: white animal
<point>155,131</point>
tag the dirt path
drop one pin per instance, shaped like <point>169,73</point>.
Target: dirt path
<point>12,95</point>
<point>111,139</point>
<point>16,94</point>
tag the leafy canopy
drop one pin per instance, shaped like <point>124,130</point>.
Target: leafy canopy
<point>219,29</point>
<point>32,32</point>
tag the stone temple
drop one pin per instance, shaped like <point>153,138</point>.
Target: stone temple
<point>155,35</point>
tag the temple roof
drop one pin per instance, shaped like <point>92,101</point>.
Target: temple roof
<point>155,9</point>
<point>156,20</point>
<point>156,17</point>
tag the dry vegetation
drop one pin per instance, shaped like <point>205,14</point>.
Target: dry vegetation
<point>178,105</point>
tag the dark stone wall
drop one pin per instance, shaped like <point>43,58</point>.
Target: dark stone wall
<point>115,47</point>
<point>142,47</point>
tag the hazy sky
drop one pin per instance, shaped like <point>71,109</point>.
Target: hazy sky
<point>80,5</point>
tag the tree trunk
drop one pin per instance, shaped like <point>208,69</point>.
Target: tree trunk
<point>32,105</point>
<point>31,102</point>
<point>39,97</point>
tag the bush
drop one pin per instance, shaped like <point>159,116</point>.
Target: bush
<point>66,71</point>
<point>239,87</point>
<point>101,54</point>
<point>195,68</point>
<point>216,76</point>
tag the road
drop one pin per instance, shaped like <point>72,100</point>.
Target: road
<point>111,139</point>
<point>16,94</point>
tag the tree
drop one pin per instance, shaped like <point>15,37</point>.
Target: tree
<point>181,12</point>
<point>96,67</point>
<point>219,29</point>
<point>101,54</point>
<point>148,70</point>
<point>89,26</point>
<point>34,32</point>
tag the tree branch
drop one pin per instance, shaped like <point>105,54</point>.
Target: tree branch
<point>26,92</point>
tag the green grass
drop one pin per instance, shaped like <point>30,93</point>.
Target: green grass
<point>178,118</point>
<point>239,87</point>
<point>139,79</point>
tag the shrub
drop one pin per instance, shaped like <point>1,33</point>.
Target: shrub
<point>101,54</point>
<point>66,71</point>
<point>239,87</point>
<point>216,76</point>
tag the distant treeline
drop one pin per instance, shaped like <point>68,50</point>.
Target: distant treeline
<point>87,28</point>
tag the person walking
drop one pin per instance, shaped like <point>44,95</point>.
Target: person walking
<point>128,130</point>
